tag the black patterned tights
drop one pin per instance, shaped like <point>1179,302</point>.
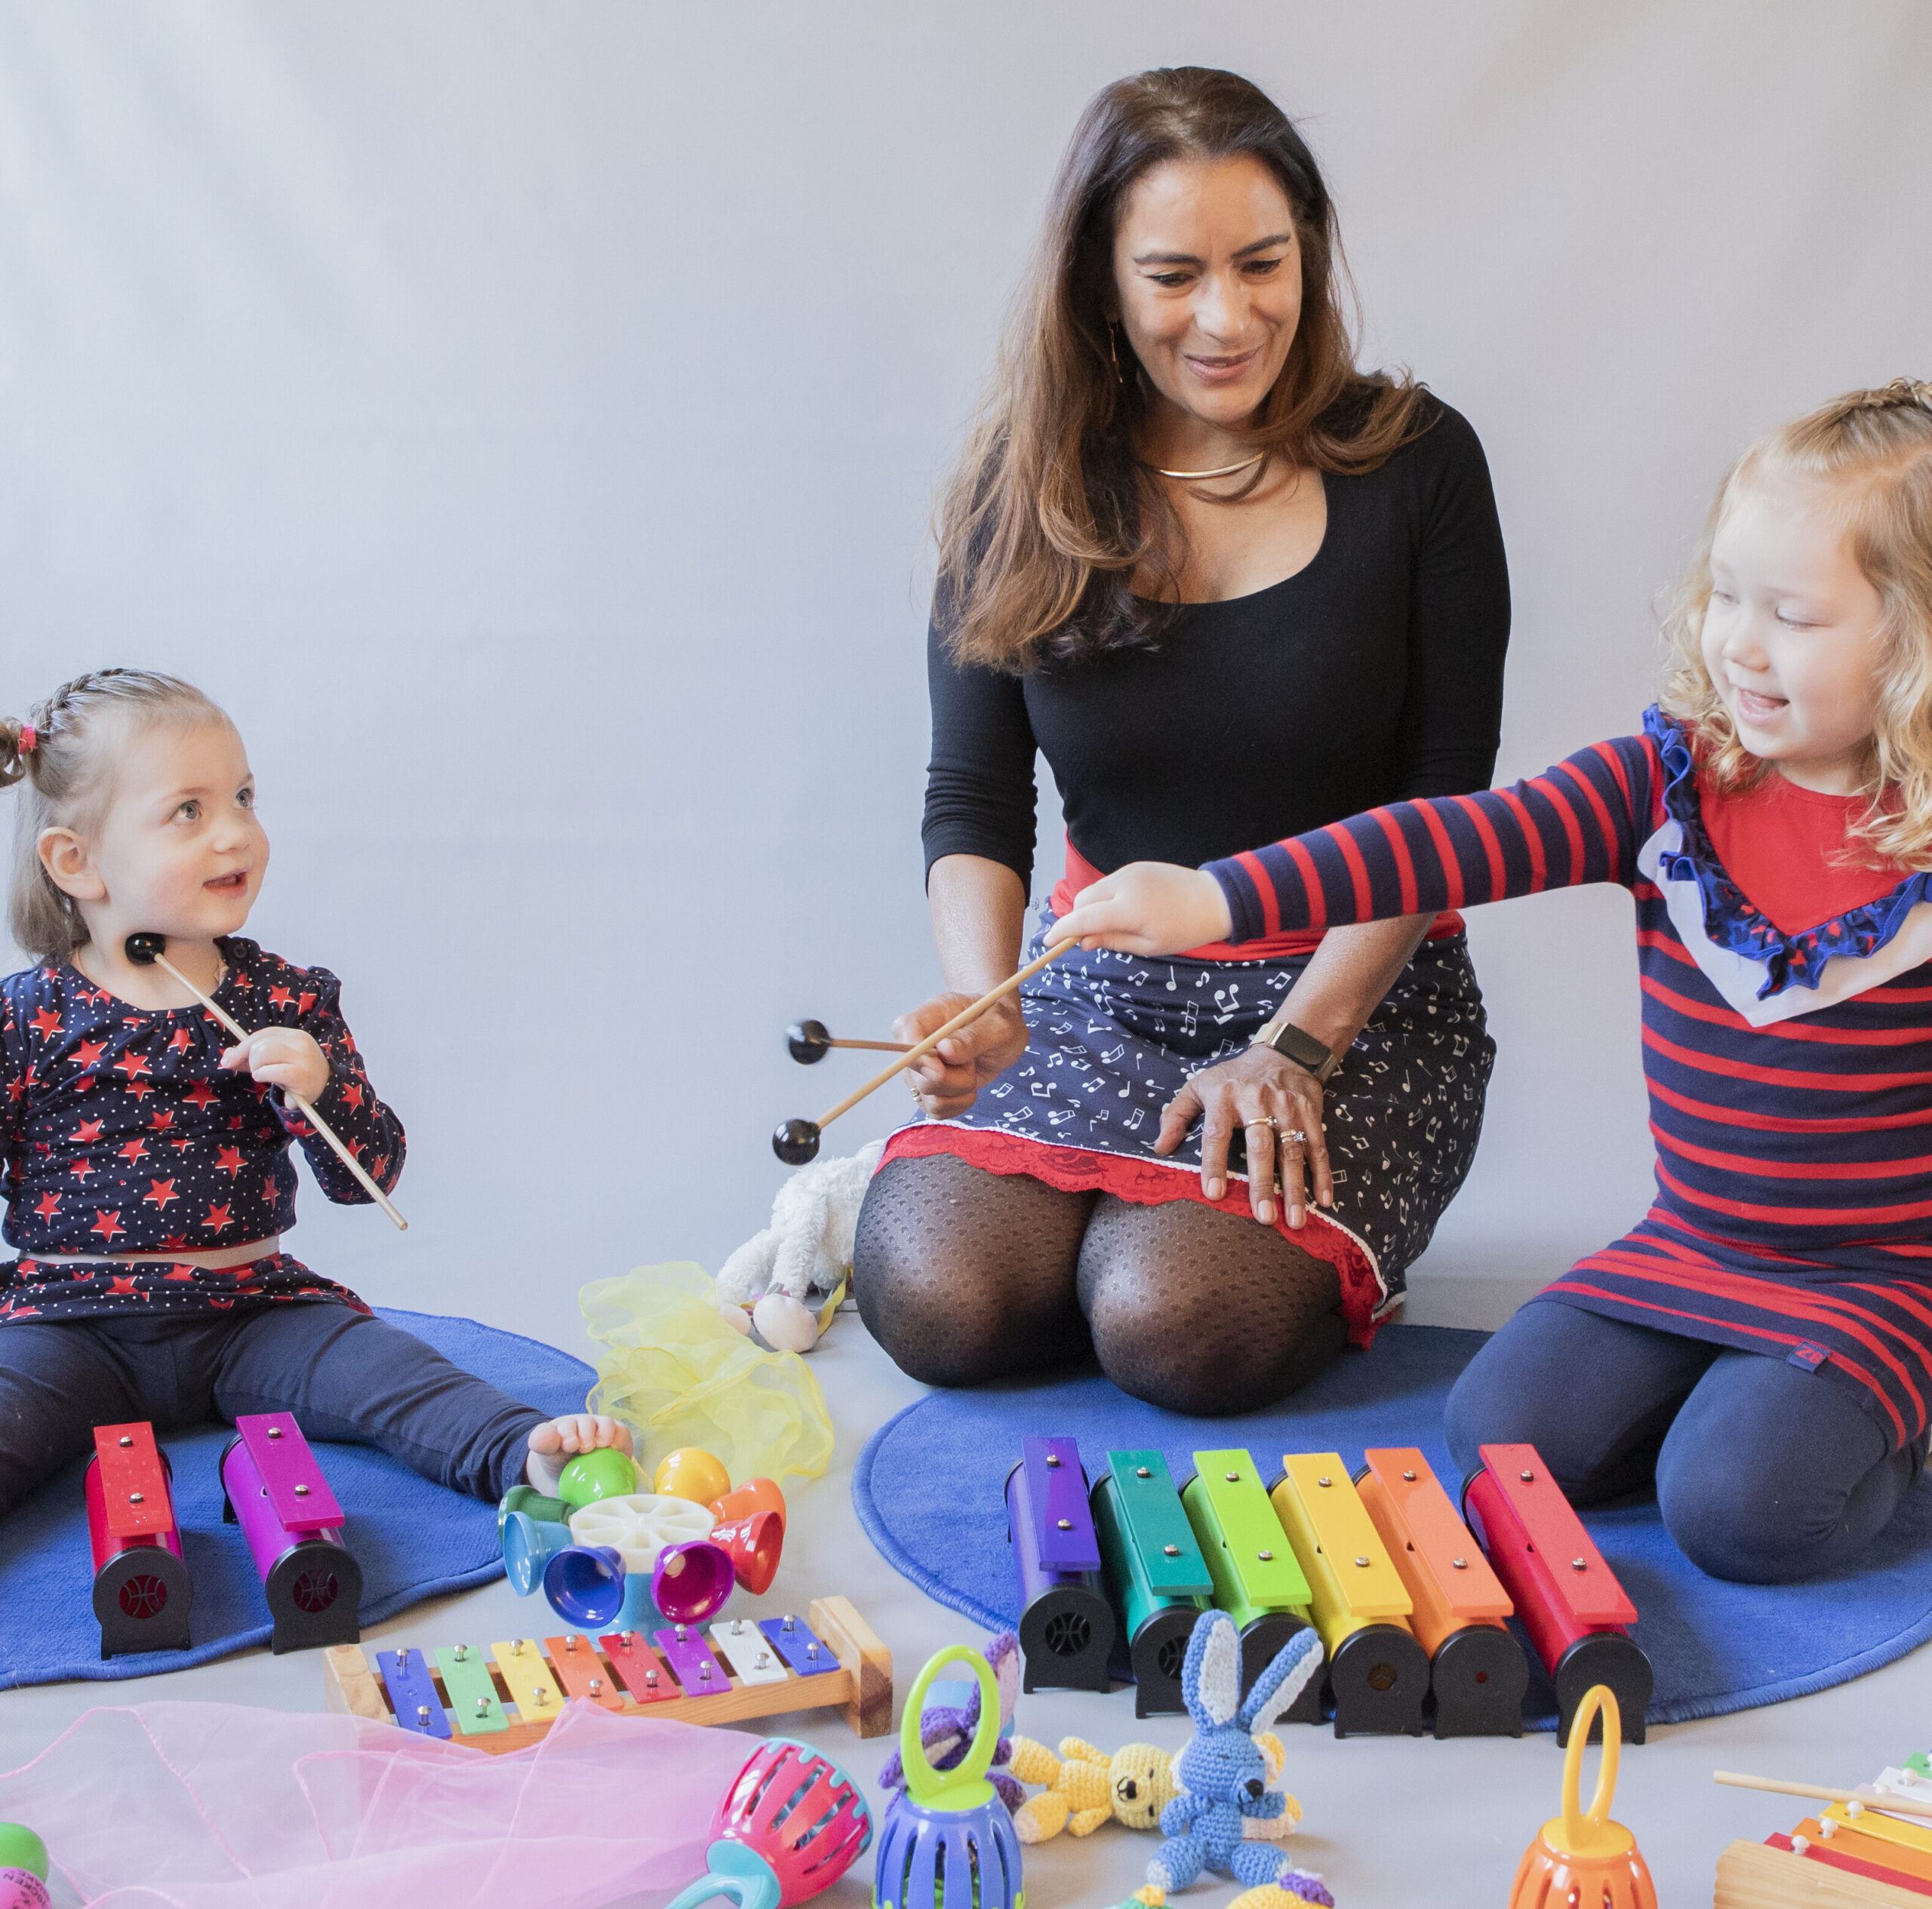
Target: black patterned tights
<point>964,1276</point>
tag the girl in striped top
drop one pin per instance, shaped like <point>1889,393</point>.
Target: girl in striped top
<point>1760,1343</point>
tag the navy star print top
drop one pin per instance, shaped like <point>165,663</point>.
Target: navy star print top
<point>121,1134</point>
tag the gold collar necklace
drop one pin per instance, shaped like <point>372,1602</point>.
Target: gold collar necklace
<point>1196,477</point>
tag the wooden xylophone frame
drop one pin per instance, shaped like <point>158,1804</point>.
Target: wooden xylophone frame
<point>861,1687</point>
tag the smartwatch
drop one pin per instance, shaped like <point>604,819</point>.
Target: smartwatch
<point>1289,1041</point>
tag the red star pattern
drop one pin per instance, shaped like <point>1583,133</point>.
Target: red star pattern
<point>227,1139</point>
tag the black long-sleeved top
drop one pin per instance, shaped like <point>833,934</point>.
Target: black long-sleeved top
<point>1374,674</point>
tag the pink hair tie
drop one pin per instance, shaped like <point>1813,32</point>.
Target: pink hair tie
<point>29,739</point>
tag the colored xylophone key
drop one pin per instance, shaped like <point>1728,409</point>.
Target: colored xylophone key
<point>1252,1566</point>
<point>1378,1673</point>
<point>1576,1613</point>
<point>1478,1672</point>
<point>1155,1574</point>
<point>1066,1625</point>
<point>142,1591</point>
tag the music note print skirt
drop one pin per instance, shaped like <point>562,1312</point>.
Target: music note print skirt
<point>1112,1037</point>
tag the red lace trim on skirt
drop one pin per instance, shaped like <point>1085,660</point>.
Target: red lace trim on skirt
<point>1080,1169</point>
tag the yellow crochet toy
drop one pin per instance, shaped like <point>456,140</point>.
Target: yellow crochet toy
<point>1086,1787</point>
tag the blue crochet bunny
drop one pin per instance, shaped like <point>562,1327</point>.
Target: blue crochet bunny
<point>1221,1768</point>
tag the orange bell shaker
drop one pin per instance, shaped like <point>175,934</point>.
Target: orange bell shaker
<point>1579,1858</point>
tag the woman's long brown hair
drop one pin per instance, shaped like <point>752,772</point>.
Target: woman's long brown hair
<point>1049,515</point>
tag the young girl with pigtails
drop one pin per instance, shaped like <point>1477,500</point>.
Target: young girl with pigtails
<point>1760,1343</point>
<point>146,1170</point>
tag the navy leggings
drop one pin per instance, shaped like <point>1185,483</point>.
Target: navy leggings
<point>345,1376</point>
<point>1765,1472</point>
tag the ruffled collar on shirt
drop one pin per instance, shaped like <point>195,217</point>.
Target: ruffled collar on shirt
<point>1730,919</point>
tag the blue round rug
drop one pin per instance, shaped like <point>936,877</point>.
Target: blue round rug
<point>413,1539</point>
<point>929,1490</point>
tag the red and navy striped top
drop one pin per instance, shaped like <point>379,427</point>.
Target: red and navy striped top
<point>1788,1073</point>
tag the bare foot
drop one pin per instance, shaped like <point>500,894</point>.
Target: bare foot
<point>554,1443</point>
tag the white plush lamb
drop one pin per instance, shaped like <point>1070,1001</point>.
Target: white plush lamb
<point>790,1274</point>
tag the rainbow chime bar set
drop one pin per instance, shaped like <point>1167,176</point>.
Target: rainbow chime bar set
<point>273,1489</point>
<point>1410,1601</point>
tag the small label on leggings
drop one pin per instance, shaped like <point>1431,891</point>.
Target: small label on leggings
<point>1810,1357</point>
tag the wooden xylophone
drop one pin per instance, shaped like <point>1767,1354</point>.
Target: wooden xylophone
<point>733,1669</point>
<point>1853,1853</point>
<point>1409,1603</point>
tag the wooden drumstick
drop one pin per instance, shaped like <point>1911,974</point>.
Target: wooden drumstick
<point>809,1043</point>
<point>796,1141</point>
<point>145,950</point>
<point>1902,1805</point>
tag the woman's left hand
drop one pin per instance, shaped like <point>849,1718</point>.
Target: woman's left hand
<point>1147,907</point>
<point>1279,1106</point>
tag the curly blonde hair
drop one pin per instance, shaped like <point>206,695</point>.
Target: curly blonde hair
<point>1877,445</point>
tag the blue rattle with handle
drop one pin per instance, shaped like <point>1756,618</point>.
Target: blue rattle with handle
<point>947,1841</point>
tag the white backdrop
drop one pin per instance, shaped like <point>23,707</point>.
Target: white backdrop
<point>524,418</point>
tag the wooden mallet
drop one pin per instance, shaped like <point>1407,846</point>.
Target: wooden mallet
<point>809,1043</point>
<point>147,951</point>
<point>796,1141</point>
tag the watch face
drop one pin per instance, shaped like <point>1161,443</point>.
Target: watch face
<point>1302,1048</point>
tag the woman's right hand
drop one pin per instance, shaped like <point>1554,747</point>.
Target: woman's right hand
<point>947,1080</point>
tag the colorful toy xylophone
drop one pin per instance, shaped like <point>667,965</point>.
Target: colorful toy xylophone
<point>747,1669</point>
<point>1872,1846</point>
<point>274,1489</point>
<point>1575,1611</point>
<point>1410,1606</point>
<point>142,1591</point>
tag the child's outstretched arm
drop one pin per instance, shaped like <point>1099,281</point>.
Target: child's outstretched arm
<point>292,1053</point>
<point>1583,821</point>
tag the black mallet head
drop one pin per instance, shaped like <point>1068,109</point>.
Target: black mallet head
<point>808,1041</point>
<point>796,1142</point>
<point>142,950</point>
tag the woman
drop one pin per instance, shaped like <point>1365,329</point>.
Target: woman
<point>1235,589</point>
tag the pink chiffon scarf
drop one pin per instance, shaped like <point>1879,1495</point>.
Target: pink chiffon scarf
<point>223,1807</point>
